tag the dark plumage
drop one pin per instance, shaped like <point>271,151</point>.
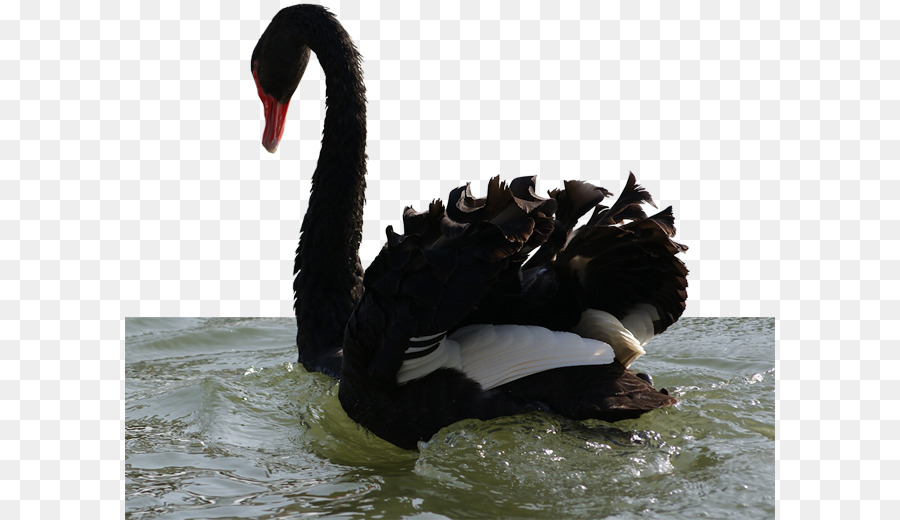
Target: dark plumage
<point>407,338</point>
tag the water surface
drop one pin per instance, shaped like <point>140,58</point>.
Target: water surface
<point>221,423</point>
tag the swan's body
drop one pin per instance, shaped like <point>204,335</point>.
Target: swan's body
<point>486,307</point>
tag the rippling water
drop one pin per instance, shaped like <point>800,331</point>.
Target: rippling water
<point>221,424</point>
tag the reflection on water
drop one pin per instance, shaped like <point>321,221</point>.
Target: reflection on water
<point>220,423</point>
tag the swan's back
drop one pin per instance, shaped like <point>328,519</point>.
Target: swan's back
<point>455,324</point>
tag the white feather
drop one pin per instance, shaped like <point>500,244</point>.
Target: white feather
<point>494,355</point>
<point>445,356</point>
<point>639,320</point>
<point>603,326</point>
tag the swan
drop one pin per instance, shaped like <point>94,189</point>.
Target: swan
<point>480,308</point>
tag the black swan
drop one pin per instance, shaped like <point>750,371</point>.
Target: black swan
<point>481,308</point>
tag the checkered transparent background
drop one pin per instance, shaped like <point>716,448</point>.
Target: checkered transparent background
<point>133,184</point>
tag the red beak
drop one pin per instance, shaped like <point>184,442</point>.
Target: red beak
<point>275,113</point>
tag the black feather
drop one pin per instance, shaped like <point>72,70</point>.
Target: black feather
<point>509,257</point>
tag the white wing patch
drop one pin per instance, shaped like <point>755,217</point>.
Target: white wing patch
<point>494,355</point>
<point>639,321</point>
<point>626,337</point>
<point>444,356</point>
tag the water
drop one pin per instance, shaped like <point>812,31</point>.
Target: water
<point>221,424</point>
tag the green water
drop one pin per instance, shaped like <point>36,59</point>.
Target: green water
<point>220,423</point>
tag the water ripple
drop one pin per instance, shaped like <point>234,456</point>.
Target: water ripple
<point>221,423</point>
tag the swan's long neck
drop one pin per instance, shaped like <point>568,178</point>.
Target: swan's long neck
<point>328,279</point>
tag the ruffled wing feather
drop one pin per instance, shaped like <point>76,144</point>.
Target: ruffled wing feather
<point>466,264</point>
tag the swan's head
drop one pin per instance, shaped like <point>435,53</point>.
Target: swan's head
<point>278,63</point>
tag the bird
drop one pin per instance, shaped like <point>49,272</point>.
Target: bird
<point>481,307</point>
